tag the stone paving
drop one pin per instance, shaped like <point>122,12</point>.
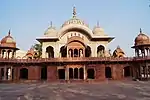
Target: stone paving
<point>112,90</point>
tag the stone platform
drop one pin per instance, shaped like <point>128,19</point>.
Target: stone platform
<point>108,90</point>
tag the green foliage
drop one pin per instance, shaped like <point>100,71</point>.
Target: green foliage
<point>38,48</point>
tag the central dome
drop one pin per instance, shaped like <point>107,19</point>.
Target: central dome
<point>74,20</point>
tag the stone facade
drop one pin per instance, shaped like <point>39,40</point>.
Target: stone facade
<point>74,53</point>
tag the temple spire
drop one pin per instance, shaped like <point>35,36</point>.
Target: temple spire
<point>74,12</point>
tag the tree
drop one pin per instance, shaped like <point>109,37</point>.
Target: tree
<point>38,48</point>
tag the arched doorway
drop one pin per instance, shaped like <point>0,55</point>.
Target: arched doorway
<point>70,73</point>
<point>108,72</point>
<point>50,52</point>
<point>63,51</point>
<point>81,73</point>
<point>127,71</point>
<point>100,51</point>
<point>87,51</point>
<point>91,73</point>
<point>24,73</point>
<point>76,73</point>
<point>61,73</point>
<point>44,73</point>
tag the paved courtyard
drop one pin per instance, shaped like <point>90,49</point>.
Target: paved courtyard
<point>112,90</point>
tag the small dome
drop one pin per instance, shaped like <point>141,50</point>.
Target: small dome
<point>142,39</point>
<point>118,52</point>
<point>8,41</point>
<point>51,31</point>
<point>74,20</point>
<point>98,30</point>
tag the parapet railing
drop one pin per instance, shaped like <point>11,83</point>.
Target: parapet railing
<point>74,59</point>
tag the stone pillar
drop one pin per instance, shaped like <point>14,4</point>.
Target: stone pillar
<point>4,56</point>
<point>51,73</point>
<point>100,72</point>
<point>0,74</point>
<point>67,73</point>
<point>16,73</point>
<point>10,55</point>
<point>85,72</point>
<point>34,73</point>
<point>5,73</point>
<point>9,73</point>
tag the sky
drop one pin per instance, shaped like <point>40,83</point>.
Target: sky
<point>28,19</point>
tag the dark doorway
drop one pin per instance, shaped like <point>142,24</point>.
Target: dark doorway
<point>63,51</point>
<point>76,73</point>
<point>91,73</point>
<point>75,52</point>
<point>2,73</point>
<point>44,73</point>
<point>127,71</point>
<point>100,51</point>
<point>50,51</point>
<point>81,72</point>
<point>61,73</point>
<point>87,51</point>
<point>70,73</point>
<point>24,73</point>
<point>108,72</point>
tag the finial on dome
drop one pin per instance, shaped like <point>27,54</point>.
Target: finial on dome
<point>118,46</point>
<point>51,24</point>
<point>74,12</point>
<point>9,32</point>
<point>97,23</point>
<point>140,30</point>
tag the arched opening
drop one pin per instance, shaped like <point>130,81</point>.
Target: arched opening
<point>70,73</point>
<point>76,73</point>
<point>81,73</point>
<point>80,52</point>
<point>75,52</point>
<point>61,73</point>
<point>9,54</point>
<point>3,53</point>
<point>100,51</point>
<point>87,51</point>
<point>108,72</point>
<point>127,71</point>
<point>44,73</point>
<point>24,73</point>
<point>70,53</point>
<point>91,73</point>
<point>63,51</point>
<point>50,52</point>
